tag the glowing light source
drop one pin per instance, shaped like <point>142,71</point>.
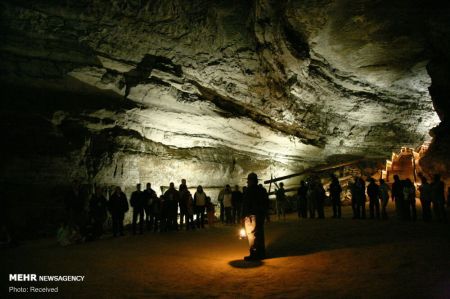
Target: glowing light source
<point>242,234</point>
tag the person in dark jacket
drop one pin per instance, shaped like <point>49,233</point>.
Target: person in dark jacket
<point>236,199</point>
<point>149,196</point>
<point>397,196</point>
<point>98,211</point>
<point>280,194</point>
<point>171,200</point>
<point>335,195</point>
<point>361,191</point>
<point>75,206</point>
<point>373,191</point>
<point>409,200</point>
<point>302,203</point>
<point>254,209</point>
<point>425,198</point>
<point>118,206</point>
<point>137,202</point>
<point>438,198</point>
<point>186,208</point>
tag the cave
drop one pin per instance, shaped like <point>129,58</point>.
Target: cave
<point>120,92</point>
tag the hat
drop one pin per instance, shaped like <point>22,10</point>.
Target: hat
<point>252,177</point>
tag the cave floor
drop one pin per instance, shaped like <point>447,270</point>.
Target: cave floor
<point>307,258</point>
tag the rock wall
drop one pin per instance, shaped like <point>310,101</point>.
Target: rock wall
<point>127,91</point>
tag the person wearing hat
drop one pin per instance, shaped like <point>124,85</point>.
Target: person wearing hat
<point>253,215</point>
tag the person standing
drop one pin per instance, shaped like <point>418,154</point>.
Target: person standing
<point>384,196</point>
<point>199,205</point>
<point>149,196</point>
<point>425,199</point>
<point>137,202</point>
<point>361,191</point>
<point>397,195</point>
<point>186,207</point>
<point>210,210</point>
<point>335,194</point>
<point>75,206</point>
<point>373,191</point>
<point>236,198</point>
<point>438,198</point>
<point>302,203</point>
<point>222,208</point>
<point>118,206</point>
<point>354,193</point>
<point>98,211</point>
<point>409,198</point>
<point>311,196</point>
<point>253,216</point>
<point>281,202</point>
<point>321,196</point>
<point>171,199</point>
<point>227,204</point>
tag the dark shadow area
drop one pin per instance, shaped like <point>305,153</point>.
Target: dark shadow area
<point>345,234</point>
<point>245,264</point>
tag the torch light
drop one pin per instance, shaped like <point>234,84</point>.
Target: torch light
<point>242,234</point>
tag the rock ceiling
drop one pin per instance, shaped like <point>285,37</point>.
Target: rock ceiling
<point>230,85</point>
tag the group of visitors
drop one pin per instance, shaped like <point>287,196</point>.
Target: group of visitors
<point>311,197</point>
<point>149,211</point>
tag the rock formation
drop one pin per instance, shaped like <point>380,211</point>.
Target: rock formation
<point>121,91</point>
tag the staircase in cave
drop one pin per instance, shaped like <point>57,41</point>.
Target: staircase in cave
<point>405,164</point>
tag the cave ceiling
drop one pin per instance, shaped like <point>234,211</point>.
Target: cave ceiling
<point>294,82</point>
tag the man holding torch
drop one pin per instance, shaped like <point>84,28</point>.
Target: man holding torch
<point>254,207</point>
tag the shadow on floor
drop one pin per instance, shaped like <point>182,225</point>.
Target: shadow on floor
<point>245,264</point>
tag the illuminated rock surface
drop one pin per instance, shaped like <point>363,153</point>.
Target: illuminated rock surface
<point>118,92</point>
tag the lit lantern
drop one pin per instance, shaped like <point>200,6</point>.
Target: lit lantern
<point>242,234</point>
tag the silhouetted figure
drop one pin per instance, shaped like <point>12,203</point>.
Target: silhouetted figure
<point>397,195</point>
<point>228,204</point>
<point>98,211</point>
<point>281,202</point>
<point>266,201</point>
<point>149,195</point>
<point>236,198</point>
<point>200,204</point>
<point>438,198</point>
<point>75,205</point>
<point>409,200</point>
<point>361,190</point>
<point>384,197</point>
<point>210,210</point>
<point>354,193</point>
<point>302,202</point>
<point>186,208</point>
<point>254,213</point>
<point>137,202</point>
<point>156,213</point>
<point>182,185</point>
<point>321,196</point>
<point>335,195</point>
<point>311,198</point>
<point>171,199</point>
<point>118,206</point>
<point>222,208</point>
<point>373,191</point>
<point>425,199</point>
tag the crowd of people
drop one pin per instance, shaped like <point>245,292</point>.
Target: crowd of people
<point>311,197</point>
<point>174,210</point>
<point>178,209</point>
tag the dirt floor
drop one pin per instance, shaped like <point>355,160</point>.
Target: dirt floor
<point>307,258</point>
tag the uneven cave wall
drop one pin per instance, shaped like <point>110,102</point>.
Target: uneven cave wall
<point>437,159</point>
<point>116,92</point>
